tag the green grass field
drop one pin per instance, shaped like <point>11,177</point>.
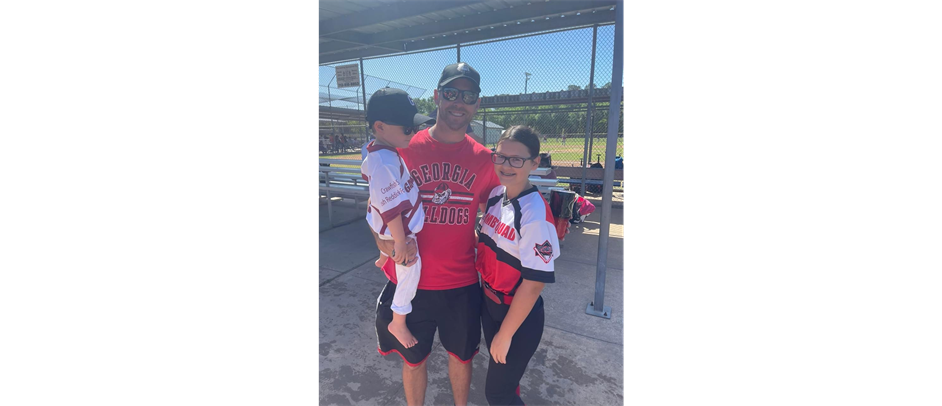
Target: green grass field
<point>571,153</point>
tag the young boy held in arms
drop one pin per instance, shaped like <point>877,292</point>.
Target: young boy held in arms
<point>395,211</point>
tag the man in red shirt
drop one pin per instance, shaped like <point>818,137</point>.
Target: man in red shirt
<point>454,175</point>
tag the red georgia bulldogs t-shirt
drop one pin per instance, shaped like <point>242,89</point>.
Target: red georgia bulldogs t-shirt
<point>453,180</point>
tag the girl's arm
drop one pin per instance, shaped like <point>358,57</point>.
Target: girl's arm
<point>524,299</point>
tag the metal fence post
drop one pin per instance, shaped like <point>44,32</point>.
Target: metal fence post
<point>358,110</point>
<point>363,88</point>
<point>329,104</point>
<point>330,205</point>
<point>597,307</point>
<point>588,119</point>
<point>458,46</point>
<point>484,125</point>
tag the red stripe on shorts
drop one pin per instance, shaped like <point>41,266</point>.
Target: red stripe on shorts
<point>403,358</point>
<point>459,358</point>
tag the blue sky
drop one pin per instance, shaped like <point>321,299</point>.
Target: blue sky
<point>555,61</point>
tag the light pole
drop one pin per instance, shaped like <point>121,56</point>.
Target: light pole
<point>525,82</point>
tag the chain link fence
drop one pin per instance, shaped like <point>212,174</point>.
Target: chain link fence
<point>562,129</point>
<point>540,80</point>
<point>341,133</point>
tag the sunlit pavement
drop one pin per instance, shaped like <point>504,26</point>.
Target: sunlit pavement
<point>579,361</point>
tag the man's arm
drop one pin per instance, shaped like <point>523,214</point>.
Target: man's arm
<point>386,247</point>
<point>399,240</point>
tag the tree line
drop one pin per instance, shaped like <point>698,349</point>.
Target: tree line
<point>543,118</point>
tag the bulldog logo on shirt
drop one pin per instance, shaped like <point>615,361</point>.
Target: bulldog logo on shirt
<point>544,251</point>
<point>442,193</point>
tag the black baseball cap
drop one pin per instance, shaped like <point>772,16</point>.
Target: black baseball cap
<point>394,106</point>
<point>460,70</point>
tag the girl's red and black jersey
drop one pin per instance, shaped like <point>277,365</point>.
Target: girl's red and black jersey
<point>517,240</point>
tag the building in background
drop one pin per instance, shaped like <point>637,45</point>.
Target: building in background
<point>493,131</point>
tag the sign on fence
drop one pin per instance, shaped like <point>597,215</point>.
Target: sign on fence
<point>348,75</point>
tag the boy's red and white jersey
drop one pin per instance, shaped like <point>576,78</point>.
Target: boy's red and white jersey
<point>392,191</point>
<point>517,240</point>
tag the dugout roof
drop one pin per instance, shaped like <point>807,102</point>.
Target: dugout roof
<point>351,29</point>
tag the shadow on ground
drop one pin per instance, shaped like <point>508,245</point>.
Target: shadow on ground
<point>579,361</point>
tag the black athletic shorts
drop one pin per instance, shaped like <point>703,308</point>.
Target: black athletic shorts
<point>455,313</point>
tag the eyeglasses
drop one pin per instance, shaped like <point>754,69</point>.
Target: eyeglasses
<point>451,94</point>
<point>515,162</point>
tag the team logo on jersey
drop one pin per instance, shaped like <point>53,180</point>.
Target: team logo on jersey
<point>544,251</point>
<point>442,193</point>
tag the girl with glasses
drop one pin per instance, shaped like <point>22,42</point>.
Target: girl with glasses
<point>516,252</point>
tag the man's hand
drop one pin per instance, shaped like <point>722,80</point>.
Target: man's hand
<point>387,246</point>
<point>399,252</point>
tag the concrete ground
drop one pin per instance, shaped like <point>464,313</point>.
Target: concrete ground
<point>579,361</point>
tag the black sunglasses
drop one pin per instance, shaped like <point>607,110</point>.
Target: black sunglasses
<point>451,94</point>
<point>413,130</point>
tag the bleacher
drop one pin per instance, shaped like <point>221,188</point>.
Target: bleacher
<point>328,147</point>
<point>594,177</point>
<point>341,178</point>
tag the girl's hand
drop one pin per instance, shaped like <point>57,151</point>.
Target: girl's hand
<point>400,253</point>
<point>499,347</point>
